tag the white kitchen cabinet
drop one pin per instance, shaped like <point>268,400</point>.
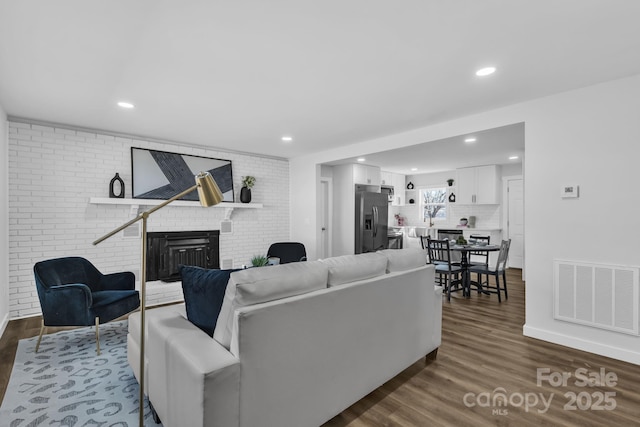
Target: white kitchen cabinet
<point>367,175</point>
<point>398,182</point>
<point>386,178</point>
<point>478,185</point>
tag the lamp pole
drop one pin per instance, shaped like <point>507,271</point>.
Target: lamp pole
<point>143,303</point>
<point>209,195</point>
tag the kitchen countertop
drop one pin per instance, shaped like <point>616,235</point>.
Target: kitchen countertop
<point>487,229</point>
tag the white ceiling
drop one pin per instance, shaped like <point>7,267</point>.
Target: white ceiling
<point>491,147</point>
<point>239,75</point>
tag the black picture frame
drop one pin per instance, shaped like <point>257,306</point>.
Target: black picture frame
<point>161,175</point>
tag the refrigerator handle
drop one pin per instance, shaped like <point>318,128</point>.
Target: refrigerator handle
<point>375,221</point>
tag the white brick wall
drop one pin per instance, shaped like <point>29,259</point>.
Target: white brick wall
<point>53,171</point>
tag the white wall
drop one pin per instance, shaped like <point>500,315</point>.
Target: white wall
<point>4,222</point>
<point>53,171</point>
<point>587,137</point>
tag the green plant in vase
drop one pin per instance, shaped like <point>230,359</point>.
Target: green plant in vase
<point>245,192</point>
<point>259,261</point>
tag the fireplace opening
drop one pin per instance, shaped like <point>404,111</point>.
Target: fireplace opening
<point>167,250</point>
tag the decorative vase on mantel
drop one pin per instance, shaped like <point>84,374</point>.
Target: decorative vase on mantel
<point>245,195</point>
<point>116,187</point>
<point>245,192</point>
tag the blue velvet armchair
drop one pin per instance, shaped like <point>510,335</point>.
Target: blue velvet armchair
<point>73,292</point>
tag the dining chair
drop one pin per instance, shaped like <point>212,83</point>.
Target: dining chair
<point>497,271</point>
<point>448,273</point>
<point>479,257</point>
<point>287,252</point>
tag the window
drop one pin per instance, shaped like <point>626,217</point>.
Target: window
<point>433,204</point>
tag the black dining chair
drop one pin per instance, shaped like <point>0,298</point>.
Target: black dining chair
<point>497,271</point>
<point>287,252</point>
<point>449,274</point>
<point>425,247</point>
<point>479,257</point>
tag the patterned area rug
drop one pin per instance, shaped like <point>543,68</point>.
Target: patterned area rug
<point>67,384</point>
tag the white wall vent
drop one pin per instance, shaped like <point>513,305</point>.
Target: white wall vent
<point>226,263</point>
<point>226,226</point>
<point>132,231</point>
<point>602,296</point>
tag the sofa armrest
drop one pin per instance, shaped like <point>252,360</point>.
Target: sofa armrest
<point>193,380</point>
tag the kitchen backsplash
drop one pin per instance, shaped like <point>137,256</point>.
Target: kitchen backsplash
<point>487,216</point>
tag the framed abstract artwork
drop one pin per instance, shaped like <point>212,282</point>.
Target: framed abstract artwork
<point>161,174</point>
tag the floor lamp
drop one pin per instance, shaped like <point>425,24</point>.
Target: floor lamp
<point>209,195</point>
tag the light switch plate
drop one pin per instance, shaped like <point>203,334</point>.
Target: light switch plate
<point>569,191</point>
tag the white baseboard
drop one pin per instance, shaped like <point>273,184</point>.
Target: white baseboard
<point>581,344</point>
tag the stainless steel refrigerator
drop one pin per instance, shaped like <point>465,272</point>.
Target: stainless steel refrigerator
<point>372,210</point>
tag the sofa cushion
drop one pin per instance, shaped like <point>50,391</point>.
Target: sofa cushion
<point>404,259</point>
<point>350,268</point>
<point>203,291</point>
<point>262,284</point>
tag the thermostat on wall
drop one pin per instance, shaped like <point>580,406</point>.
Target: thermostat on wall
<point>570,191</point>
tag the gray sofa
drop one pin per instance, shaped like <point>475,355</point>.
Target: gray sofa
<point>295,344</point>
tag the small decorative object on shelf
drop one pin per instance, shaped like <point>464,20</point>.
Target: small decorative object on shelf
<point>450,182</point>
<point>245,191</point>
<point>116,183</point>
<point>410,186</point>
<point>411,201</point>
<point>452,198</point>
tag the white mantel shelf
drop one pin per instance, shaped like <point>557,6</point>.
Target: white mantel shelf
<point>154,202</point>
<point>136,203</point>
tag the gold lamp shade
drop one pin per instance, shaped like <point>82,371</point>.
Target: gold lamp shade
<point>208,191</point>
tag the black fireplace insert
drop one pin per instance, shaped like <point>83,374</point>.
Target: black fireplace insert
<point>167,250</point>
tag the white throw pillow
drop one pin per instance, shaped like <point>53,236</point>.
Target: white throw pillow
<point>350,268</point>
<point>404,259</point>
<point>262,284</point>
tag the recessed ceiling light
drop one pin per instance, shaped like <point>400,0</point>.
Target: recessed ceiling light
<point>287,138</point>
<point>485,71</point>
<point>414,169</point>
<point>361,159</point>
<point>513,158</point>
<point>470,140</point>
<point>124,104</point>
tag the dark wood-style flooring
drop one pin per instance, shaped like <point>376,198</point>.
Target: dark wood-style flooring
<point>483,354</point>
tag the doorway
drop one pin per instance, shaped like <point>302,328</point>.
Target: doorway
<point>325,223</point>
<point>514,220</point>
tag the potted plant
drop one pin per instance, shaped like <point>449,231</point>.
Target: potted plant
<point>245,192</point>
<point>259,261</point>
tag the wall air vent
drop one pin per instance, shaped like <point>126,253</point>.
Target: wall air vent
<point>132,231</point>
<point>226,226</point>
<point>602,296</point>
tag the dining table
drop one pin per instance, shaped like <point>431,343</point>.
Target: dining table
<point>466,250</point>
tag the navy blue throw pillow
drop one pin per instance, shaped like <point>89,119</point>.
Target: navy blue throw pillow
<point>203,291</point>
